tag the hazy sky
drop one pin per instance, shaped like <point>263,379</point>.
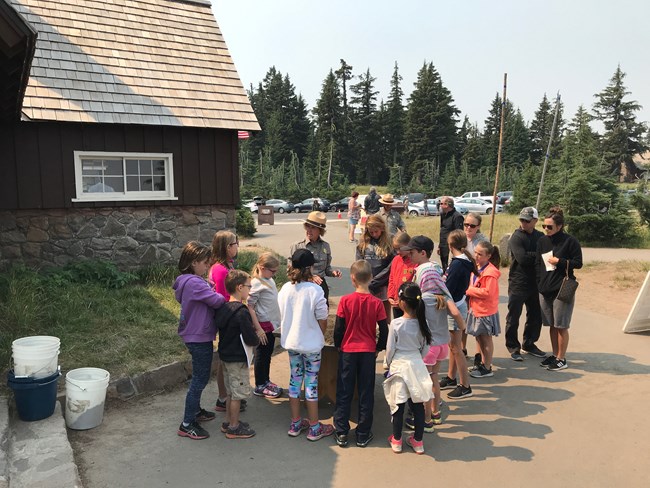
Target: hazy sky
<point>572,46</point>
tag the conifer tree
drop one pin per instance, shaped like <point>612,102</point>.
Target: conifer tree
<point>394,121</point>
<point>430,137</point>
<point>366,130</point>
<point>623,137</point>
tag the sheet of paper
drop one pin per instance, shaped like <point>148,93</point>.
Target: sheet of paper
<point>545,257</point>
<point>249,350</point>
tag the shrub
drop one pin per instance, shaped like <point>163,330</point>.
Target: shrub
<point>614,228</point>
<point>641,203</point>
<point>100,272</point>
<point>244,223</point>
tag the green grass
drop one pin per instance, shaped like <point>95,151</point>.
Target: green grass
<point>505,223</point>
<point>430,226</point>
<point>125,326</point>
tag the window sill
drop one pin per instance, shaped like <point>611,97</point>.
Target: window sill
<point>123,199</point>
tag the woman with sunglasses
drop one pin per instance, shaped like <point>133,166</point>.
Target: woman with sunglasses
<point>472,228</point>
<point>558,254</point>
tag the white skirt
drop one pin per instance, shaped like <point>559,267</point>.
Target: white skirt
<point>408,377</point>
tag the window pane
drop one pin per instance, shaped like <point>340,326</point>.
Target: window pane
<point>132,183</point>
<point>113,166</point>
<point>131,166</point>
<point>89,182</point>
<point>113,183</point>
<point>159,183</point>
<point>145,183</point>
<point>158,167</point>
<point>90,167</point>
<point>145,167</point>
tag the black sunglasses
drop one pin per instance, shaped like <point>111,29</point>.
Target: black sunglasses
<point>473,226</point>
<point>548,227</point>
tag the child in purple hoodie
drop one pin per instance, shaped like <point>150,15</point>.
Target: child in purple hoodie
<point>198,330</point>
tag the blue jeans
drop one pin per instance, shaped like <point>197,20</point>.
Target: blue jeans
<point>201,367</point>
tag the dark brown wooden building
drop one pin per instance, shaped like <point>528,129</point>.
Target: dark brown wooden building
<point>118,130</point>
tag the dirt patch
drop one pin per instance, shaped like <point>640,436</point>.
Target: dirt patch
<point>610,288</point>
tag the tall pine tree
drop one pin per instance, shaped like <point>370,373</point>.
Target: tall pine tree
<point>623,137</point>
<point>366,129</point>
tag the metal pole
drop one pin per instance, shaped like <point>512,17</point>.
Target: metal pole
<point>548,150</point>
<point>496,178</point>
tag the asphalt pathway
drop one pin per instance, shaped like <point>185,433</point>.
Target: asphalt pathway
<point>584,426</point>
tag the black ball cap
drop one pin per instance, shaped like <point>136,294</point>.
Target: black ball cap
<point>302,258</point>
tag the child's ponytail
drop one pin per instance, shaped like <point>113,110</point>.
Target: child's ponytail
<point>411,295</point>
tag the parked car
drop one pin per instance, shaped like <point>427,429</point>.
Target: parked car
<point>341,205</point>
<point>280,206</point>
<point>252,206</point>
<point>413,197</point>
<point>307,204</point>
<point>477,205</point>
<point>472,194</point>
<point>418,208</point>
<point>503,196</point>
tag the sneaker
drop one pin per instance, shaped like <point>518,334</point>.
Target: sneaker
<point>516,356</point>
<point>341,439</point>
<point>418,446</point>
<point>448,383</point>
<point>193,431</point>
<point>481,372</point>
<point>298,427</point>
<point>273,387</point>
<point>460,392</point>
<point>534,351</point>
<point>364,439</point>
<point>549,360</point>
<point>265,391</point>
<point>395,445</point>
<point>318,431</point>
<point>241,432</point>
<point>205,416</point>
<point>557,365</point>
<point>428,426</point>
<point>224,425</point>
<point>221,406</point>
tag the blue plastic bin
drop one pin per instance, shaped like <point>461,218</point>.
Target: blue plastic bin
<point>35,398</point>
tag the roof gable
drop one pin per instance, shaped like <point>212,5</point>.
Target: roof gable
<point>133,62</point>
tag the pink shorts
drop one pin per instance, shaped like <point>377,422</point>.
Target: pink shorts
<point>435,354</point>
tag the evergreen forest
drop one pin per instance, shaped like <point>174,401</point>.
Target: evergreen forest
<point>420,143</point>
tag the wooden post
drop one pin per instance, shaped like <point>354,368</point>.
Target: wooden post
<point>496,178</point>
<point>548,150</point>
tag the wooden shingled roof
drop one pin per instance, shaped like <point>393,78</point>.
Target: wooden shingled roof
<point>158,62</point>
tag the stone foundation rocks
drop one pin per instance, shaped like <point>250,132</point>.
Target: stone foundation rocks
<point>130,237</point>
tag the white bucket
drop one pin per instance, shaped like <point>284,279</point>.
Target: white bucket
<point>85,391</point>
<point>36,356</point>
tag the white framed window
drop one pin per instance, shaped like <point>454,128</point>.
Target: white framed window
<point>108,176</point>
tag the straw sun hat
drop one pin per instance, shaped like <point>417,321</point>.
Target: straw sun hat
<point>317,219</point>
<point>387,199</point>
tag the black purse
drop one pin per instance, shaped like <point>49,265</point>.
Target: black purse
<point>568,288</point>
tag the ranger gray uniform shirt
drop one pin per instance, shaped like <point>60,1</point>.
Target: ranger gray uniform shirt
<point>322,255</point>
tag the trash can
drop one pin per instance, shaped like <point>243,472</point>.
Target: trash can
<point>265,215</point>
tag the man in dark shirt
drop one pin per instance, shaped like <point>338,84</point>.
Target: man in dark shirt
<point>371,202</point>
<point>450,219</point>
<point>522,288</point>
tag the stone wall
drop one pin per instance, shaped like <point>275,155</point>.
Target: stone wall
<point>131,237</point>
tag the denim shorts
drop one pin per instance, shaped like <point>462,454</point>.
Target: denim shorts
<point>555,312</point>
<point>462,308</point>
